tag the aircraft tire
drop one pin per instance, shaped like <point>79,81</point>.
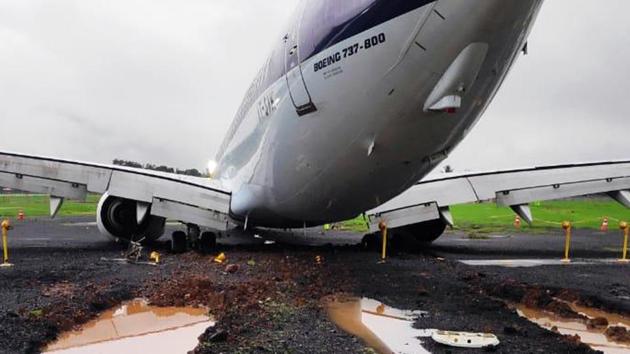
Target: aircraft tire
<point>179,242</point>
<point>207,242</point>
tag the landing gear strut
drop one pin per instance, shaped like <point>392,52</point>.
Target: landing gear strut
<point>179,242</point>
<point>207,242</point>
<point>193,239</point>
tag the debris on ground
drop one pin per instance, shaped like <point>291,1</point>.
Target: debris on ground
<point>221,258</point>
<point>232,268</point>
<point>214,335</point>
<point>465,339</point>
<point>154,257</point>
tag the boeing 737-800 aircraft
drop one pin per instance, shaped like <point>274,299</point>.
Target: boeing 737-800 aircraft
<point>358,101</point>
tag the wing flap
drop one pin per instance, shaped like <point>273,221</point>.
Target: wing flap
<point>53,187</point>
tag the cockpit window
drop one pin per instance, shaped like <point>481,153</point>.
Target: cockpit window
<point>323,19</point>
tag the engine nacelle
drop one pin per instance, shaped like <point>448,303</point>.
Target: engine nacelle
<point>116,218</point>
<point>410,238</point>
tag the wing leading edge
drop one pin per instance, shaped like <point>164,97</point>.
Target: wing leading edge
<point>430,199</point>
<point>188,199</point>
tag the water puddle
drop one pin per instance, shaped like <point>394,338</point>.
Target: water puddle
<point>385,329</point>
<point>136,327</point>
<point>593,337</point>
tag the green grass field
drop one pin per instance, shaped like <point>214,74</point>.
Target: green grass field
<point>38,205</point>
<point>586,213</point>
<point>474,218</point>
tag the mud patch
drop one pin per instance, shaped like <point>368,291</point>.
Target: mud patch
<point>137,327</point>
<point>590,326</point>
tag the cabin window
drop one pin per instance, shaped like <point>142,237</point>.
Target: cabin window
<point>323,19</point>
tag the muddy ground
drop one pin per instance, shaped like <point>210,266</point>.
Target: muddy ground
<point>272,302</point>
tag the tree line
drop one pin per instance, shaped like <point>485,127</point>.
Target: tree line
<point>161,168</point>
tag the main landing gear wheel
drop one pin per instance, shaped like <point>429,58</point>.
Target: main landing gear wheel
<point>207,242</point>
<point>179,242</point>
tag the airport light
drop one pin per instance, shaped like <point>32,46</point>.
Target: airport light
<point>212,167</point>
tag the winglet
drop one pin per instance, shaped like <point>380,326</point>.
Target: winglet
<point>55,205</point>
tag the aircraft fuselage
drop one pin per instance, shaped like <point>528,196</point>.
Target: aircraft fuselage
<point>359,100</point>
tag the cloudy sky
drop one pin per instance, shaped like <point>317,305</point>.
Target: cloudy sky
<point>159,81</point>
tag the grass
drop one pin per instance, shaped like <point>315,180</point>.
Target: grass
<point>38,205</point>
<point>476,219</point>
<point>586,213</point>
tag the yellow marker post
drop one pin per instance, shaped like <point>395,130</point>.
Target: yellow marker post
<point>6,226</point>
<point>626,229</point>
<point>383,227</point>
<point>567,244</point>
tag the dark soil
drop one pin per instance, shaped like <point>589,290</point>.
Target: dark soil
<point>271,302</point>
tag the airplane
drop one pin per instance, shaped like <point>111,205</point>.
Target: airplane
<point>357,103</point>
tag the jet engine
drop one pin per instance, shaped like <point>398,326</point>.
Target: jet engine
<point>418,236</point>
<point>117,219</point>
<point>411,238</point>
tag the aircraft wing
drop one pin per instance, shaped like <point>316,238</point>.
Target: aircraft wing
<point>188,199</point>
<point>430,198</point>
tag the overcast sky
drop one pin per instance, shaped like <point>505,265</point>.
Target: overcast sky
<point>159,81</point>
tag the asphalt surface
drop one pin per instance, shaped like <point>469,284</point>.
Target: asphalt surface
<point>272,304</point>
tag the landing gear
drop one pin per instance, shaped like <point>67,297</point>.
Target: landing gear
<point>179,242</point>
<point>207,242</point>
<point>193,239</point>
